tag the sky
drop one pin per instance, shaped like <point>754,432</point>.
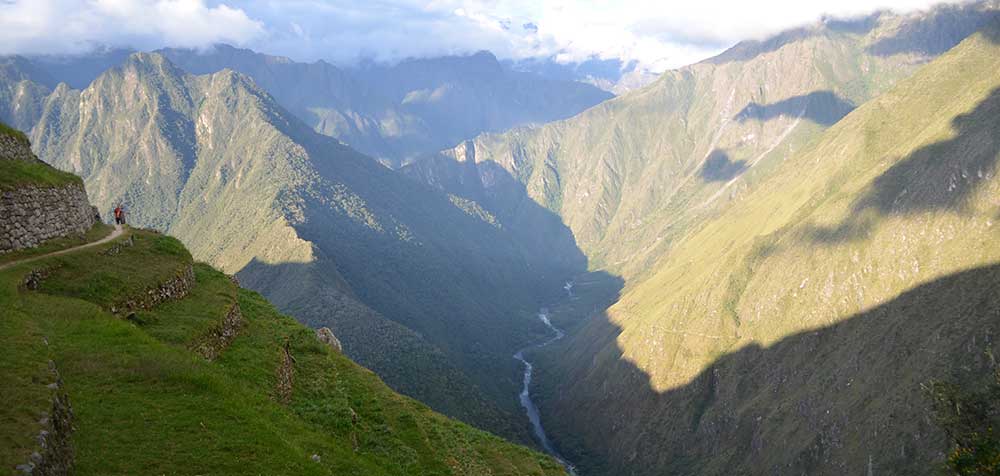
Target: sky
<point>659,34</point>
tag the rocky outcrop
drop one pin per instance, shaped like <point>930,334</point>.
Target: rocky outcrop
<point>15,148</point>
<point>33,214</point>
<point>325,335</point>
<point>54,455</point>
<point>219,338</point>
<point>174,288</point>
<point>34,278</point>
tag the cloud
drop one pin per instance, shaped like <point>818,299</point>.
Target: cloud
<point>67,27</point>
<point>659,34</point>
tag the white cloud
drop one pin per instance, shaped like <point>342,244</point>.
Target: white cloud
<point>660,34</point>
<point>66,26</point>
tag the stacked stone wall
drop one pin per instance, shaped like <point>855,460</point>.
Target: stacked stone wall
<point>30,215</point>
<point>15,148</point>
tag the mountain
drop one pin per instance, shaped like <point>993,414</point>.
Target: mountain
<point>23,87</point>
<point>627,174</point>
<point>805,228</point>
<point>396,112</point>
<point>124,356</point>
<point>426,289</point>
<point>792,332</point>
<point>611,74</point>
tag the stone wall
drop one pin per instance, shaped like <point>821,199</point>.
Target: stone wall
<point>30,215</point>
<point>211,345</point>
<point>14,148</point>
<point>172,289</point>
<point>54,453</point>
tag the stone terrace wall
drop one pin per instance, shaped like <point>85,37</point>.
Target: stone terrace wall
<point>13,148</point>
<point>30,215</point>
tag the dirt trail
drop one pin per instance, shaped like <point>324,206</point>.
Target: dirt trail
<point>114,234</point>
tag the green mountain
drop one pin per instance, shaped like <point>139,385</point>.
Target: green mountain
<point>210,380</point>
<point>806,230</point>
<point>397,112</point>
<point>792,332</point>
<point>628,174</point>
<point>424,288</point>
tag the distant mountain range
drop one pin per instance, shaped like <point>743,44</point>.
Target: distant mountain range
<point>391,112</point>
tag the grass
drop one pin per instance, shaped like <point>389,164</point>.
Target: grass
<point>146,404</point>
<point>17,173</point>
<point>107,280</point>
<point>10,131</point>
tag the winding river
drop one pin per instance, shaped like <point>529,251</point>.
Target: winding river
<point>529,406</point>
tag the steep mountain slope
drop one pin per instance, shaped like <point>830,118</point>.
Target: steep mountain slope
<point>397,112</point>
<point>23,87</point>
<point>791,332</point>
<point>210,380</point>
<point>425,289</point>
<point>629,175</point>
<point>612,74</point>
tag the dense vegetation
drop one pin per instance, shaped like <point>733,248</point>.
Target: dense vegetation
<point>144,402</point>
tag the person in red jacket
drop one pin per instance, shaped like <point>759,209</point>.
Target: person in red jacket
<point>119,215</point>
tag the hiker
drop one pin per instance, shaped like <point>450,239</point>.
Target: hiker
<point>119,215</point>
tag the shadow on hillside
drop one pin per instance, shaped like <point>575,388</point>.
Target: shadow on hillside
<point>452,286</point>
<point>940,176</point>
<point>937,33</point>
<point>821,107</point>
<point>840,399</point>
<point>720,168</point>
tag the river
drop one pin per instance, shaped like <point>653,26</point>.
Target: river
<point>529,406</point>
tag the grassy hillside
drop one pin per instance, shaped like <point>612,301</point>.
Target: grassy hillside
<point>146,402</point>
<point>790,333</point>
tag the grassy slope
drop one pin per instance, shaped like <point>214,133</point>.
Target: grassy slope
<point>901,192</point>
<point>14,173</point>
<point>145,403</point>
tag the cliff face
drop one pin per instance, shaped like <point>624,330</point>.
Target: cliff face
<point>34,212</point>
